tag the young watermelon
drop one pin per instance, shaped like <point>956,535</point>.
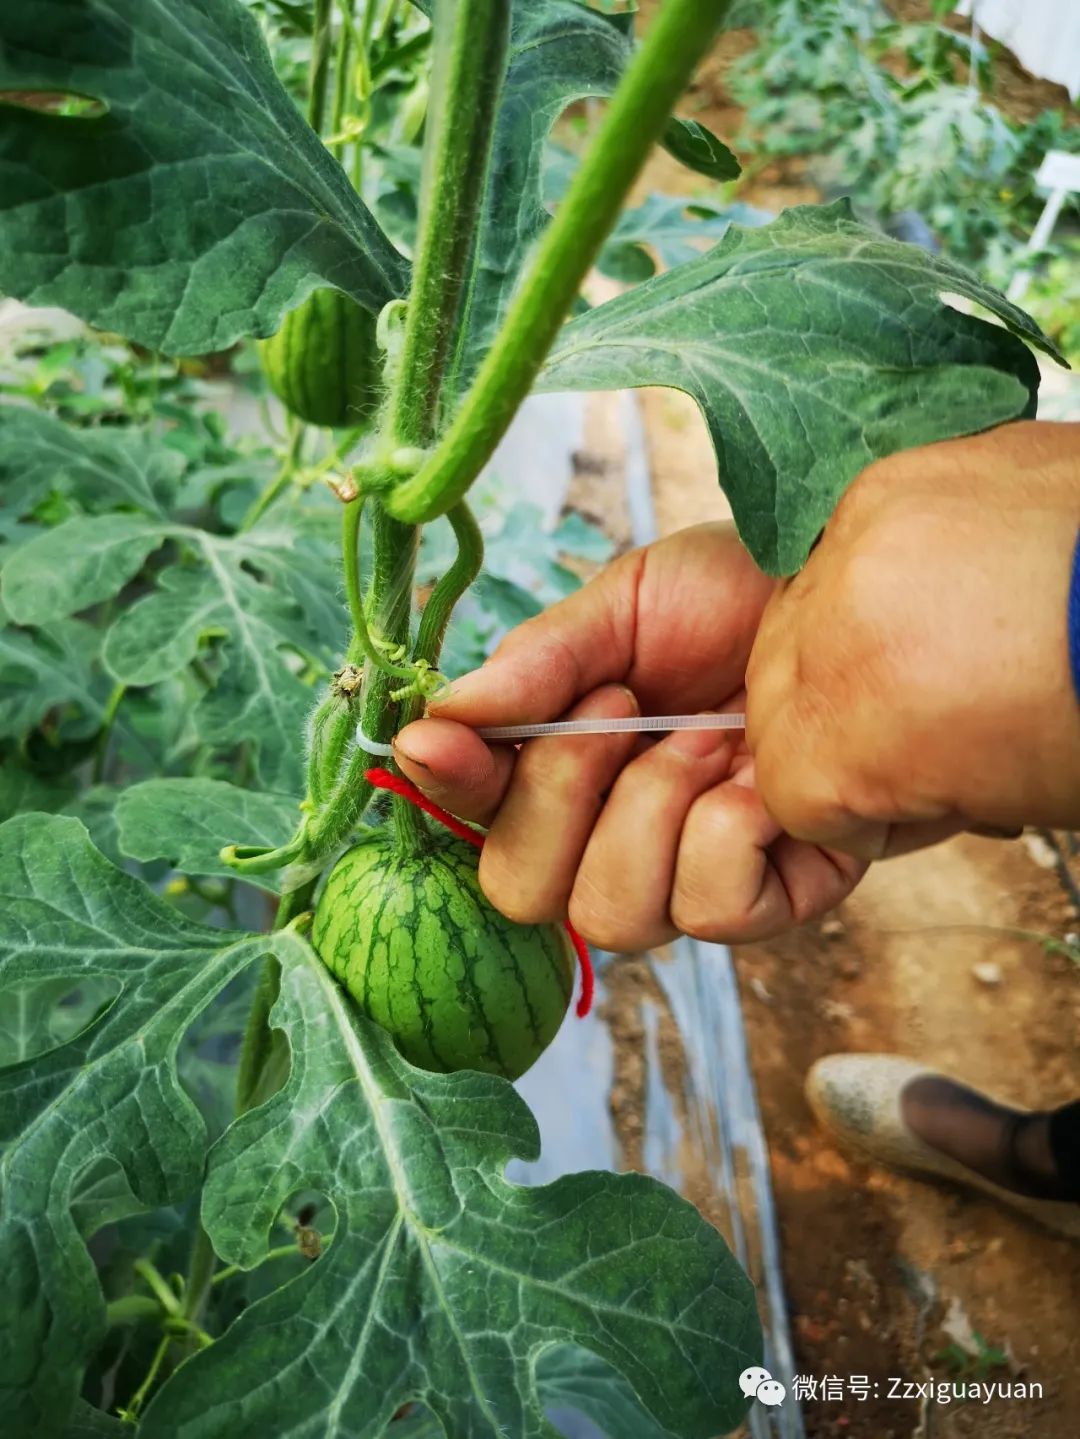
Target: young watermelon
<point>420,949</point>
<point>323,364</point>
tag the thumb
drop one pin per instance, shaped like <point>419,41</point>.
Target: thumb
<point>544,665</point>
<point>454,767</point>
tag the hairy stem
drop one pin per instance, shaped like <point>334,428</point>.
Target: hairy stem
<point>467,72</point>
<point>330,729</point>
<point>445,595</point>
<point>389,603</point>
<point>320,64</point>
<point>350,550</point>
<point>452,585</point>
<point>470,39</point>
<point>679,37</point>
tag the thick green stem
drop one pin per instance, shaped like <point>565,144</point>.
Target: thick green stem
<point>452,585</point>
<point>258,1036</point>
<point>253,859</point>
<point>200,1273</point>
<point>389,19</point>
<point>367,25</point>
<point>471,38</point>
<point>467,72</point>
<point>350,551</point>
<point>389,603</point>
<point>320,63</point>
<point>679,37</point>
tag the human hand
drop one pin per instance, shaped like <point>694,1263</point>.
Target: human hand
<point>913,680</point>
<point>635,841</point>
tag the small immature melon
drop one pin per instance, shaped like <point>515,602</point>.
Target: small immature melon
<point>324,364</point>
<point>420,949</point>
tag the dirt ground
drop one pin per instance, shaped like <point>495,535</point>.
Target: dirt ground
<point>936,956</point>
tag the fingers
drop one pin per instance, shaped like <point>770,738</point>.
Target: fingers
<point>454,767</point>
<point>675,622</point>
<point>679,844</point>
<point>622,892</point>
<point>740,878</point>
<point>544,665</point>
<point>539,834</point>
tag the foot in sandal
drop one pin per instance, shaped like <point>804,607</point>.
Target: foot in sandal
<point>914,1118</point>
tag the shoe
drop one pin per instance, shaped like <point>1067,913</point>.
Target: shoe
<point>857,1098</point>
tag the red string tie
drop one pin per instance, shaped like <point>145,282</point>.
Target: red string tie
<point>397,784</point>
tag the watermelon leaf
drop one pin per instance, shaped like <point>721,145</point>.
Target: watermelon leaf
<point>813,346</point>
<point>79,563</point>
<point>571,1382</point>
<point>187,822</point>
<point>698,149</point>
<point>107,1100</point>
<point>265,591</point>
<point>443,1283</point>
<point>101,468</point>
<point>191,204</point>
<point>50,668</point>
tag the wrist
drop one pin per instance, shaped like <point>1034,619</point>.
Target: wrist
<point>1037,686</point>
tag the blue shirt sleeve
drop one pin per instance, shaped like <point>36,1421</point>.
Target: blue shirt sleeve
<point>1074,619</point>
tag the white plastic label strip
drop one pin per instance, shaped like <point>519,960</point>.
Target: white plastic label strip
<point>639,724</point>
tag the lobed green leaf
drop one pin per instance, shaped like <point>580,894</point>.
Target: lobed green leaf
<point>444,1284</point>
<point>191,204</point>
<point>187,822</point>
<point>813,346</point>
<point>106,1101</point>
<point>51,668</point>
<point>266,592</point>
<point>99,468</point>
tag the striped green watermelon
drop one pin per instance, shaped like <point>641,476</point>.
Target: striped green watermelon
<point>323,364</point>
<point>418,946</point>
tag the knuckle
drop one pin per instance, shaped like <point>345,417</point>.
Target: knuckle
<point>879,480</point>
<point>518,902</point>
<point>598,921</point>
<point>694,914</point>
